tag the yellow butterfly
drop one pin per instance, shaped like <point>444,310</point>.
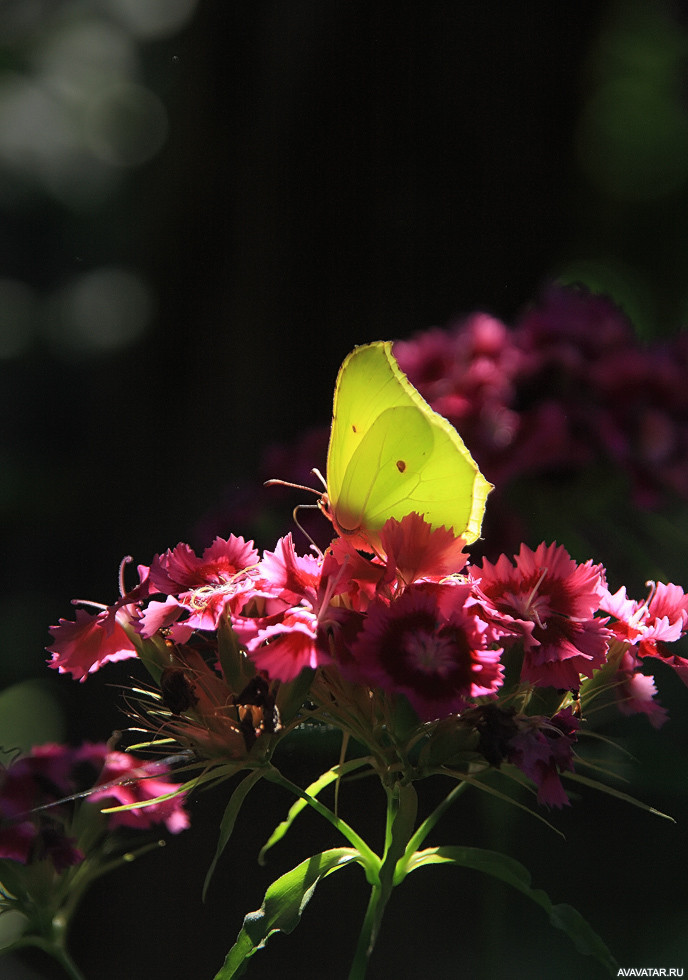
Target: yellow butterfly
<point>390,454</point>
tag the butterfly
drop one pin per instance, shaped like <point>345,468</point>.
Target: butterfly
<point>391,454</point>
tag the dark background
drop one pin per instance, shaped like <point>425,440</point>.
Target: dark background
<point>270,184</point>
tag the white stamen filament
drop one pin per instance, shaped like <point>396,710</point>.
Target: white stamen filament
<point>122,565</point>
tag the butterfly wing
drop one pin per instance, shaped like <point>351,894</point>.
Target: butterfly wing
<point>391,454</point>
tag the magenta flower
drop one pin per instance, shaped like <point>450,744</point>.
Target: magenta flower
<point>42,777</point>
<point>285,648</point>
<point>647,627</point>
<point>141,783</point>
<point>37,819</point>
<point>410,551</point>
<point>198,590</point>
<point>296,596</point>
<point>550,601</point>
<point>542,748</point>
<point>179,570</point>
<point>416,552</point>
<point>634,691</point>
<point>468,373</point>
<point>94,639</point>
<point>430,645</point>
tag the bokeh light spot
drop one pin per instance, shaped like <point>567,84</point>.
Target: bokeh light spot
<point>152,18</point>
<point>85,57</point>
<point>126,125</point>
<point>633,141</point>
<point>100,312</point>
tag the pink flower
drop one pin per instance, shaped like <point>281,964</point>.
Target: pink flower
<point>429,645</point>
<point>285,648</point>
<point>289,576</point>
<point>180,570</point>
<point>33,816</point>
<point>467,373</point>
<point>542,748</point>
<point>198,589</point>
<point>82,647</point>
<point>551,602</point>
<point>41,777</point>
<point>165,616</point>
<point>415,551</point>
<point>410,551</point>
<point>649,626</point>
<point>295,636</point>
<point>634,692</point>
<point>138,785</point>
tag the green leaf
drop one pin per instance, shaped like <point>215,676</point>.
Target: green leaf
<point>576,777</point>
<point>301,804</point>
<point>282,906</point>
<point>513,873</point>
<point>229,819</point>
<point>235,667</point>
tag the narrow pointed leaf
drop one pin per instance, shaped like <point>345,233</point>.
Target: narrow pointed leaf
<point>576,777</point>
<point>282,907</point>
<point>301,804</point>
<point>229,819</point>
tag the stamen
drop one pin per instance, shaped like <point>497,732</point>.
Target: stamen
<point>639,614</point>
<point>652,586</point>
<point>536,587</point>
<point>89,602</point>
<point>122,565</point>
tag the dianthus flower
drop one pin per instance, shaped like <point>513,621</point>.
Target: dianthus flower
<point>647,627</point>
<point>542,748</point>
<point>468,374</point>
<point>431,645</point>
<point>125,780</point>
<point>94,639</point>
<point>550,601</point>
<point>37,800</point>
<point>294,636</point>
<point>198,589</point>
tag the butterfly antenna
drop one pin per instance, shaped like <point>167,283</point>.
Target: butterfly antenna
<point>293,486</point>
<point>316,472</point>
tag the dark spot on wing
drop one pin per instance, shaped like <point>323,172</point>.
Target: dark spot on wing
<point>401,465</point>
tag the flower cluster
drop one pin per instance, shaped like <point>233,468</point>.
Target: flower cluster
<point>55,841</point>
<point>39,793</point>
<point>569,385</point>
<point>432,663</point>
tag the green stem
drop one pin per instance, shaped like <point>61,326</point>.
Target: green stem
<point>424,829</point>
<point>402,808</point>
<point>53,949</point>
<point>371,860</point>
<point>367,936</point>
